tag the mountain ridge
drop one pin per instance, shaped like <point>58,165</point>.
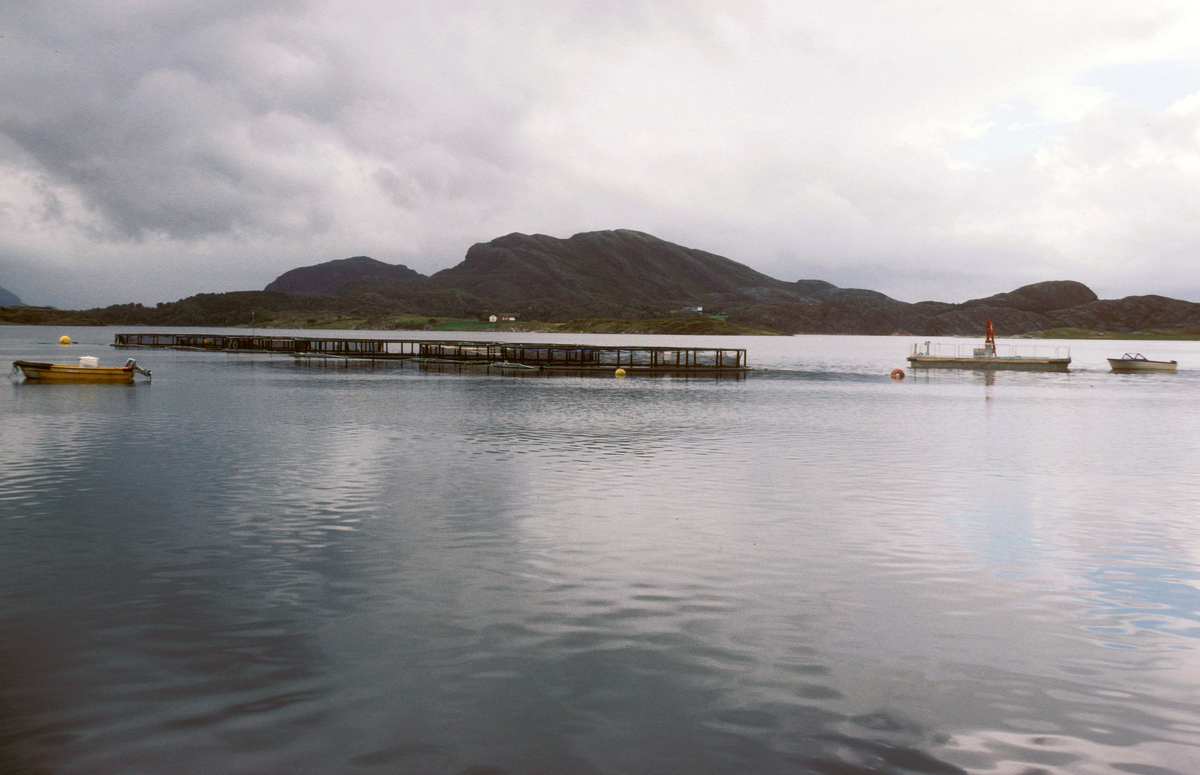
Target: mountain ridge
<point>631,275</point>
<point>617,268</point>
<point>329,277</point>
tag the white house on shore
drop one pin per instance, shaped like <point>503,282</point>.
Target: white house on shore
<point>503,317</point>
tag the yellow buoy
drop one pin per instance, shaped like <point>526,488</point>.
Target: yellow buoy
<point>64,339</point>
<point>620,372</point>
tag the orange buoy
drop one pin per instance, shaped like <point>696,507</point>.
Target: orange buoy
<point>897,373</point>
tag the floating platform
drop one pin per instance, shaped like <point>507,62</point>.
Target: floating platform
<point>989,356</point>
<point>552,357</point>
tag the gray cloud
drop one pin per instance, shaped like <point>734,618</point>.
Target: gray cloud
<point>153,150</point>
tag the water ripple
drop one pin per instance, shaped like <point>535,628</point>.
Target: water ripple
<point>255,566</point>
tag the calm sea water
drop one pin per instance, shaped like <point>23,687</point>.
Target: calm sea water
<point>253,565</point>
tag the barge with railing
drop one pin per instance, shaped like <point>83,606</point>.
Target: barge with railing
<point>990,356</point>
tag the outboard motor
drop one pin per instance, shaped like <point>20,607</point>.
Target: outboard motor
<point>132,364</point>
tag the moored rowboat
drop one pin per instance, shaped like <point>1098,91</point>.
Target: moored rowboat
<point>1139,362</point>
<point>59,372</point>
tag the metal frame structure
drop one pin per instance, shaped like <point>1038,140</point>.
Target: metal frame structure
<point>545,356</point>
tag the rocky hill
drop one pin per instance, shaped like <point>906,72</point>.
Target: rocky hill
<point>849,311</point>
<point>630,275</point>
<point>9,299</point>
<point>617,269</point>
<point>330,277</point>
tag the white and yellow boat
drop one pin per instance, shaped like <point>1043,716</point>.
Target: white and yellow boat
<point>88,370</point>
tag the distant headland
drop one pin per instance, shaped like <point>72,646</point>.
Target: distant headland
<point>625,282</point>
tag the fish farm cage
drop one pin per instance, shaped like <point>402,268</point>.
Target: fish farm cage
<point>542,356</point>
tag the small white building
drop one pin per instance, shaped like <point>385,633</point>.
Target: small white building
<point>503,317</point>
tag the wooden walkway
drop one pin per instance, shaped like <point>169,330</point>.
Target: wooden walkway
<point>542,356</point>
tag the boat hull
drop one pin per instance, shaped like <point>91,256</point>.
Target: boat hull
<point>57,372</point>
<point>989,364</point>
<point>1128,364</point>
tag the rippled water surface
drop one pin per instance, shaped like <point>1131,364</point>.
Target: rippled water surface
<point>255,565</point>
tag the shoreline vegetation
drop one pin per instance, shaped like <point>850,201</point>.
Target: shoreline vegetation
<point>1182,333</point>
<point>699,325</point>
<point>696,325</point>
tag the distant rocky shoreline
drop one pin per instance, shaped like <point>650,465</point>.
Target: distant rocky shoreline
<point>41,316</point>
<point>628,282</point>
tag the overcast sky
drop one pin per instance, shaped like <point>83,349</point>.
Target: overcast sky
<point>154,149</point>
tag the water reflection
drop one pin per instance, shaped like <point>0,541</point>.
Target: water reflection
<point>255,565</point>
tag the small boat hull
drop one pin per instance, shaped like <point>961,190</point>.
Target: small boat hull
<point>993,363</point>
<point>58,372</point>
<point>1141,364</point>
